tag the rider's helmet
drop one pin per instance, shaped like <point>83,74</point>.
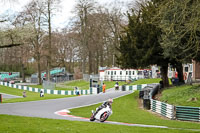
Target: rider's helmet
<point>110,101</point>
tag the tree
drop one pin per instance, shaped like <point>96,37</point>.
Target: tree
<point>83,9</point>
<point>33,19</point>
<point>179,21</point>
<point>139,43</point>
<point>51,5</point>
<point>12,44</point>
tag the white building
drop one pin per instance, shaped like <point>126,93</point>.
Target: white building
<point>118,74</point>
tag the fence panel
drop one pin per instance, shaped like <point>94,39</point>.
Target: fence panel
<point>162,108</point>
<point>188,113</point>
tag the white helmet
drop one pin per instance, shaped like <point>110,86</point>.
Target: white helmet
<point>110,100</point>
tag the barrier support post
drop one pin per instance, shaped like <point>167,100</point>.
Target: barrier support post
<point>1,98</point>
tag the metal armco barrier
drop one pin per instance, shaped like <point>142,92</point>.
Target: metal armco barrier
<point>188,113</point>
<point>163,109</point>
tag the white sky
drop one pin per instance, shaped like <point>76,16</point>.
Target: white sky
<point>61,16</point>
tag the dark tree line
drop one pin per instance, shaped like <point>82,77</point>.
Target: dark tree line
<point>163,33</point>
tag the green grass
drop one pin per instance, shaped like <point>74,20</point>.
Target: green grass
<point>181,95</point>
<point>81,84</point>
<point>18,124</point>
<point>85,84</point>
<point>146,81</point>
<point>31,96</point>
<point>125,109</point>
<point>56,88</point>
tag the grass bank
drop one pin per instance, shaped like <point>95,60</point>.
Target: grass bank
<point>186,95</point>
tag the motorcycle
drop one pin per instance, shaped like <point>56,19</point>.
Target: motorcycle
<point>102,115</point>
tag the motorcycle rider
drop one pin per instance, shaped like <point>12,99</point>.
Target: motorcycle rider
<point>104,105</point>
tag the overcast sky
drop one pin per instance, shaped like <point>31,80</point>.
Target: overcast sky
<point>60,18</point>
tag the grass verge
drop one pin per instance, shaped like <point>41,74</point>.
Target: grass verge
<point>146,81</point>
<point>125,109</point>
<point>182,95</point>
<point>18,124</point>
<point>31,96</point>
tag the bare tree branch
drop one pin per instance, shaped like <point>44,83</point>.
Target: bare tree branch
<point>10,45</point>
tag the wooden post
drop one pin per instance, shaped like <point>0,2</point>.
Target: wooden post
<point>1,98</point>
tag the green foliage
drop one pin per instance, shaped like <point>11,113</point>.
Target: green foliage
<point>31,96</point>
<point>126,109</point>
<point>139,44</point>
<point>182,95</point>
<point>179,21</point>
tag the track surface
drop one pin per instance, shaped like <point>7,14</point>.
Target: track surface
<point>47,108</point>
<point>8,96</point>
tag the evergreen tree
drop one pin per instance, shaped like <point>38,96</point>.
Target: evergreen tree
<point>139,44</point>
<point>179,21</point>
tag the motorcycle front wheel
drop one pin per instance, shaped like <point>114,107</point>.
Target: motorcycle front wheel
<point>92,118</point>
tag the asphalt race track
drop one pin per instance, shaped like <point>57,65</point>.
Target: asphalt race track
<point>8,96</point>
<point>47,108</point>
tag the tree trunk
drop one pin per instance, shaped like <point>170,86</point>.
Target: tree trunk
<point>179,69</point>
<point>164,75</point>
<point>23,73</point>
<point>83,66</point>
<point>90,62</point>
<point>39,70</point>
<point>49,46</point>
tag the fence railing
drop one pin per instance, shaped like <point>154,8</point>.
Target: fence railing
<point>91,90</point>
<point>120,78</point>
<point>162,108</point>
<point>188,113</point>
<point>48,91</point>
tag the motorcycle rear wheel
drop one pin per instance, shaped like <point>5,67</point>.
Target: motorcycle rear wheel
<point>104,117</point>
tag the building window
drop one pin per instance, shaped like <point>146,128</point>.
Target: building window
<point>108,72</point>
<point>115,72</point>
<point>111,72</point>
<point>133,72</point>
<point>129,72</point>
<point>120,72</point>
<point>186,69</point>
<point>126,72</point>
<point>139,72</point>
